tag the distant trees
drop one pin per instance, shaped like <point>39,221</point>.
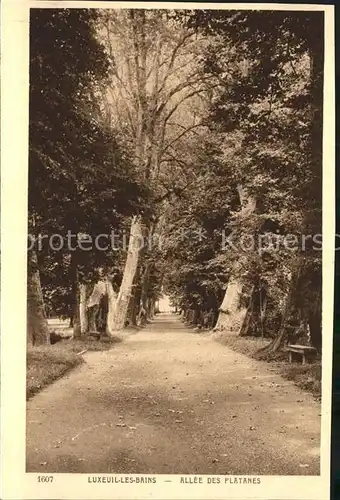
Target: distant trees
<point>155,72</point>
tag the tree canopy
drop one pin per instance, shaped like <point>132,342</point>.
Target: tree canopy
<point>199,129</point>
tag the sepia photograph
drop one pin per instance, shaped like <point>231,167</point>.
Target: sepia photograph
<point>175,247</point>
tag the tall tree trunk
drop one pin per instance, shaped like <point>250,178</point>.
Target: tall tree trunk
<point>76,320</point>
<point>135,299</point>
<point>76,310</point>
<point>37,326</point>
<point>119,313</point>
<point>133,307</point>
<point>75,296</point>
<point>82,308</point>
<point>92,318</point>
<point>277,343</point>
<point>148,231</point>
<point>232,314</point>
<point>315,329</point>
<point>93,305</point>
<point>145,286</point>
<point>101,317</point>
<point>254,319</point>
<point>246,325</point>
<point>112,304</point>
<point>146,148</point>
<point>317,84</point>
<point>151,309</point>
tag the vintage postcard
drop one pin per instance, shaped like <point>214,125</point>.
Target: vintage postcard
<point>168,219</point>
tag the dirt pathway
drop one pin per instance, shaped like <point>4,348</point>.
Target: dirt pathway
<point>168,400</point>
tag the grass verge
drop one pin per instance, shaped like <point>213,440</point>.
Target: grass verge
<point>48,363</point>
<point>307,377</point>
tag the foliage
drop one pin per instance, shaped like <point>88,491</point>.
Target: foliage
<point>211,109</point>
<point>267,112</point>
<point>81,178</point>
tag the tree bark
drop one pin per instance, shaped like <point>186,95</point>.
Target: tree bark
<point>73,270</point>
<point>82,309</point>
<point>135,300</point>
<point>315,329</point>
<point>119,313</point>
<point>133,309</point>
<point>112,304</point>
<point>92,316</point>
<point>232,314</point>
<point>145,286</point>
<point>151,309</point>
<point>277,343</point>
<point>316,76</point>
<point>76,313</point>
<point>254,319</point>
<point>93,305</point>
<point>101,317</point>
<point>244,329</point>
<point>37,326</point>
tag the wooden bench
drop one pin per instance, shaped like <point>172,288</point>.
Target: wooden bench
<point>307,353</point>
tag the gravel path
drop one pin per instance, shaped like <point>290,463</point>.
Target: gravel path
<point>170,401</point>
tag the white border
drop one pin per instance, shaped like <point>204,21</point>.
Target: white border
<point>16,484</point>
